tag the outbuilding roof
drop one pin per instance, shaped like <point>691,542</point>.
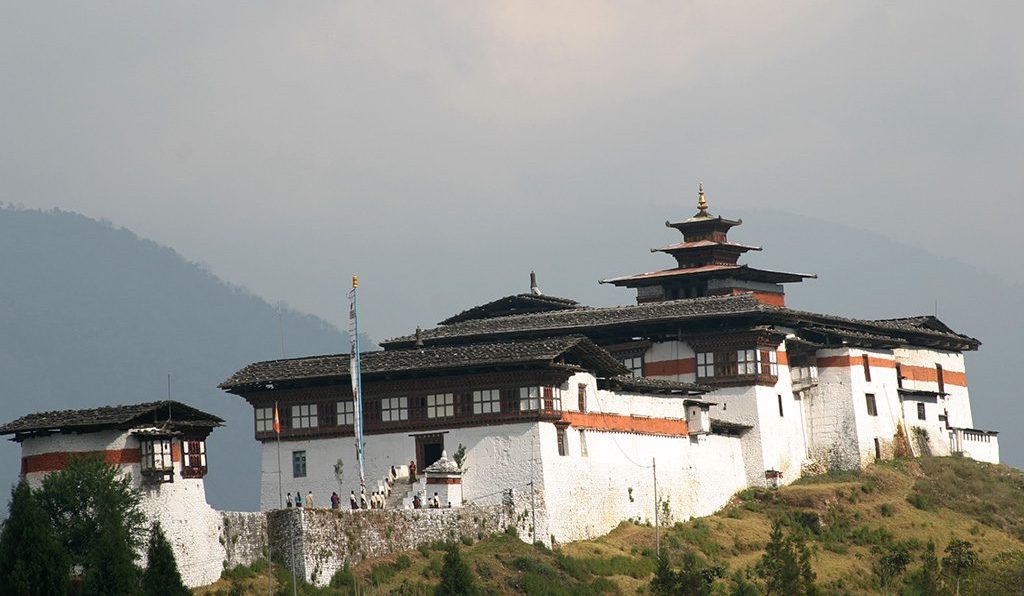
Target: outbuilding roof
<point>516,304</point>
<point>124,416</point>
<point>574,351</point>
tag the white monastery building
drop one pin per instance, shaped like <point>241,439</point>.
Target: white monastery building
<point>709,377</point>
<point>577,418</point>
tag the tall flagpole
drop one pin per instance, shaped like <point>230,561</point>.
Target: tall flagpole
<point>357,383</point>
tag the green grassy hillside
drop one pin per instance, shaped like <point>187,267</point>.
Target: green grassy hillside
<point>848,521</point>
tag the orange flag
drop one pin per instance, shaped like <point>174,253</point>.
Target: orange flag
<point>277,420</point>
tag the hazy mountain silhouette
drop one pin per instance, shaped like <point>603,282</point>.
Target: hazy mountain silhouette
<point>93,315</point>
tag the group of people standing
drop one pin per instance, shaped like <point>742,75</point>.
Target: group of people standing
<point>376,500</point>
<point>299,502</point>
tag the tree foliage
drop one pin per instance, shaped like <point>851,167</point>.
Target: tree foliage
<point>32,560</point>
<point>109,563</point>
<point>85,497</point>
<point>694,577</point>
<point>926,580</point>
<point>161,577</point>
<point>960,559</point>
<point>456,578</point>
<point>890,567</point>
<point>785,566</point>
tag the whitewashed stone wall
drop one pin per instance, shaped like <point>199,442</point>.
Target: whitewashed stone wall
<point>193,528</point>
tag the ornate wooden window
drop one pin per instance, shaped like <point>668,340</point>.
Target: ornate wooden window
<point>304,416</point>
<point>769,361</point>
<point>869,399</point>
<point>440,405</point>
<point>560,435</point>
<point>346,413</point>
<point>487,401</point>
<point>394,409</point>
<point>920,411</point>
<point>529,398</point>
<point>553,398</point>
<point>157,463</point>
<point>298,464</point>
<point>582,396</point>
<point>746,362</point>
<point>193,458</point>
<point>635,364</point>
<point>705,364</point>
<point>264,420</point>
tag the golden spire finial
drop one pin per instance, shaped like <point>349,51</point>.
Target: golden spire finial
<point>702,203</point>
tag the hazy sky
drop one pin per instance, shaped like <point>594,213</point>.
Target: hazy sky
<point>439,148</point>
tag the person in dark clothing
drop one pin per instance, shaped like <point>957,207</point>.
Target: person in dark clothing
<point>298,499</point>
<point>352,500</point>
<point>335,500</point>
<point>412,472</point>
<point>288,501</point>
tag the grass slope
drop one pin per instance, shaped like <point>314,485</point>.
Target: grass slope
<point>849,520</point>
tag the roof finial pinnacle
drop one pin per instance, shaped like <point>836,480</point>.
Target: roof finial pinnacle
<point>419,337</point>
<point>702,203</point>
<point>534,289</point>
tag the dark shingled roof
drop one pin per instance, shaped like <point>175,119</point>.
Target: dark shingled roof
<point>631,384</point>
<point>111,417</point>
<point>498,354</point>
<point>914,330</point>
<point>572,321</point>
<point>517,304</point>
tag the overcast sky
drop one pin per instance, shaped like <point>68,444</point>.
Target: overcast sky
<point>440,149</point>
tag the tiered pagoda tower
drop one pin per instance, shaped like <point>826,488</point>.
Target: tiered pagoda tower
<point>707,265</point>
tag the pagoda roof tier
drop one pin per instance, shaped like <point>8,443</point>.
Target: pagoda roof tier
<point>704,244</point>
<point>169,414</point>
<point>708,271</point>
<point>703,222</point>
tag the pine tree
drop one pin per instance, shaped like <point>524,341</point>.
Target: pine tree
<point>779,567</point>
<point>84,497</point>
<point>161,577</point>
<point>694,578</point>
<point>456,578</point>
<point>890,566</point>
<point>109,566</point>
<point>32,560</point>
<point>925,581</point>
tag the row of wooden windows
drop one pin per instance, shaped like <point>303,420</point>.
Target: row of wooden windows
<point>872,406</point>
<point>434,406</point>
<point>157,461</point>
<point>734,363</point>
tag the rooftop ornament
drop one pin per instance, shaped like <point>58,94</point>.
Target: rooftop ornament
<point>702,203</point>
<point>534,289</point>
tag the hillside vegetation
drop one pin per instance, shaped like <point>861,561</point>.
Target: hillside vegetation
<point>849,522</point>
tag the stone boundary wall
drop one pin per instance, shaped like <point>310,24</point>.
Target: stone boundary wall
<point>244,537</point>
<point>316,543</point>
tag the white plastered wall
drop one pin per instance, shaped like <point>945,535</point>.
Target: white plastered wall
<point>192,527</point>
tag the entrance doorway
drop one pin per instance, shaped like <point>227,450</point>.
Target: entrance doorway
<point>428,449</point>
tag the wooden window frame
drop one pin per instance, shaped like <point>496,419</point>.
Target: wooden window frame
<point>345,413</point>
<point>581,395</point>
<point>705,365</point>
<point>939,379</point>
<point>193,458</point>
<point>871,403</point>
<point>563,447</point>
<point>304,416</point>
<point>440,405</point>
<point>266,422</point>
<point>866,364</point>
<point>921,412</point>
<point>299,463</point>
<point>157,465</point>
<point>394,409</point>
<point>490,405</point>
<point>530,399</point>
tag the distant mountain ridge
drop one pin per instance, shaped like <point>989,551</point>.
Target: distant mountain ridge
<point>94,315</point>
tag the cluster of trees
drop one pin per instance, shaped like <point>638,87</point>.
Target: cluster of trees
<point>82,531</point>
<point>785,569</point>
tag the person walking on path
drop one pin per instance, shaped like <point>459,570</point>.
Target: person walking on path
<point>335,500</point>
<point>412,472</point>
